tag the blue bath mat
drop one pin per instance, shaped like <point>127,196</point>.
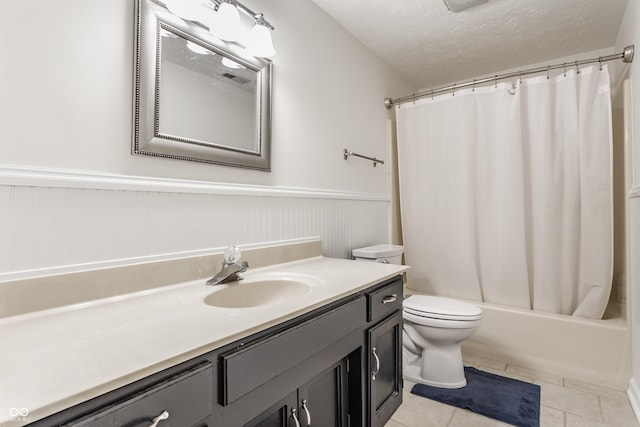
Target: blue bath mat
<point>504,399</point>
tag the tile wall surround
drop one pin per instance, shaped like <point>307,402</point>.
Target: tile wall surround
<point>55,223</point>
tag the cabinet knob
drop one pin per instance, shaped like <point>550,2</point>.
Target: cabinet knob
<point>375,372</point>
<point>389,299</point>
<point>306,411</point>
<point>295,418</point>
<point>163,416</point>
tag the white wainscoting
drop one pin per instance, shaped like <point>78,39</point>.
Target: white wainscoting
<point>63,221</point>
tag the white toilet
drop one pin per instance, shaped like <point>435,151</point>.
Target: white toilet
<point>434,328</point>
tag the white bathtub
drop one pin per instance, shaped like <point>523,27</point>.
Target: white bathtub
<point>597,351</point>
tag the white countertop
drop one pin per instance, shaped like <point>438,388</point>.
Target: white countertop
<point>53,359</point>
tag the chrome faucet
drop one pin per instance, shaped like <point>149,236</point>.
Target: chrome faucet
<point>230,267</point>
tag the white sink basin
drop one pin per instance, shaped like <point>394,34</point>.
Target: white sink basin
<point>259,292</point>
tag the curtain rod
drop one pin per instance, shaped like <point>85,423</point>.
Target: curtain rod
<point>626,56</point>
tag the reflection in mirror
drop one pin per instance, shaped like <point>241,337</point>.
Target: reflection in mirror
<point>198,98</point>
<point>192,78</point>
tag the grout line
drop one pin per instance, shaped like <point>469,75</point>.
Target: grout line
<point>451,417</point>
<point>600,407</point>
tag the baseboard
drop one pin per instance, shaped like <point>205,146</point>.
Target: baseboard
<point>634,397</point>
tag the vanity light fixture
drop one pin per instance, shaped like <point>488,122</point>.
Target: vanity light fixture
<point>259,43</point>
<point>185,9</point>
<point>227,23</point>
<point>223,19</point>
<point>229,63</point>
<point>196,48</point>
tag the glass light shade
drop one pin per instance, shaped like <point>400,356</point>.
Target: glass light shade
<point>229,63</point>
<point>196,48</point>
<point>259,42</point>
<point>227,23</point>
<point>190,10</point>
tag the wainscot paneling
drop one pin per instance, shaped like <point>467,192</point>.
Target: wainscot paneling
<point>56,221</point>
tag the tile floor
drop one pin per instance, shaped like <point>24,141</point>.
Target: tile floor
<point>563,403</point>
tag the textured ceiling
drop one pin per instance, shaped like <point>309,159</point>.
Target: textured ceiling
<point>430,46</point>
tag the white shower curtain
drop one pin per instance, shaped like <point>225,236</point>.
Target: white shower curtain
<point>506,195</point>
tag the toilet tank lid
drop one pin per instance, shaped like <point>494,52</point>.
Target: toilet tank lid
<point>378,251</point>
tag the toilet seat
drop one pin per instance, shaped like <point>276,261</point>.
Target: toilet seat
<point>433,307</point>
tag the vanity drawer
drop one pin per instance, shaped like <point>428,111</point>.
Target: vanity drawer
<point>253,365</point>
<point>385,300</point>
<point>186,397</point>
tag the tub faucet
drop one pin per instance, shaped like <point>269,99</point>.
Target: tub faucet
<point>230,267</point>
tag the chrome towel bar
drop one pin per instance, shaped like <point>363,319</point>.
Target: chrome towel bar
<point>375,161</point>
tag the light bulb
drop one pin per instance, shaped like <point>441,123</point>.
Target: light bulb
<point>259,42</point>
<point>190,10</point>
<point>227,23</point>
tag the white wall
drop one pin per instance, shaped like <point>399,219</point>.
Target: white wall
<point>630,34</point>
<point>66,87</point>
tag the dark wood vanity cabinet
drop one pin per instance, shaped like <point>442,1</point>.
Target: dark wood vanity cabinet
<point>323,400</point>
<point>384,350</point>
<point>317,369</point>
<point>385,374</point>
<point>173,399</point>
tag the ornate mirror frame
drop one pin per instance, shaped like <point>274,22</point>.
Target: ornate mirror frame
<point>149,139</point>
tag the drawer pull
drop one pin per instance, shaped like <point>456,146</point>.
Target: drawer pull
<point>389,299</point>
<point>293,415</point>
<point>306,410</point>
<point>374,373</point>
<point>163,416</point>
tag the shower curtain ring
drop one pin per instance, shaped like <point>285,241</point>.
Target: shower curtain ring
<point>432,94</point>
<point>454,90</point>
<point>600,61</point>
<point>564,68</point>
<point>496,81</point>
<point>548,69</point>
<point>577,69</point>
<point>519,77</point>
<point>473,89</point>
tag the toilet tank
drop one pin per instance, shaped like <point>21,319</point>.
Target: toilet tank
<point>388,254</point>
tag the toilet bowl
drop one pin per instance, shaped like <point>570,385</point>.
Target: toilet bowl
<point>434,328</point>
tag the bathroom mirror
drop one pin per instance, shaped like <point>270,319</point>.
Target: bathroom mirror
<point>198,98</point>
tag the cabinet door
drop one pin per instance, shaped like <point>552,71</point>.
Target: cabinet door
<point>324,399</point>
<point>279,415</point>
<point>385,369</point>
